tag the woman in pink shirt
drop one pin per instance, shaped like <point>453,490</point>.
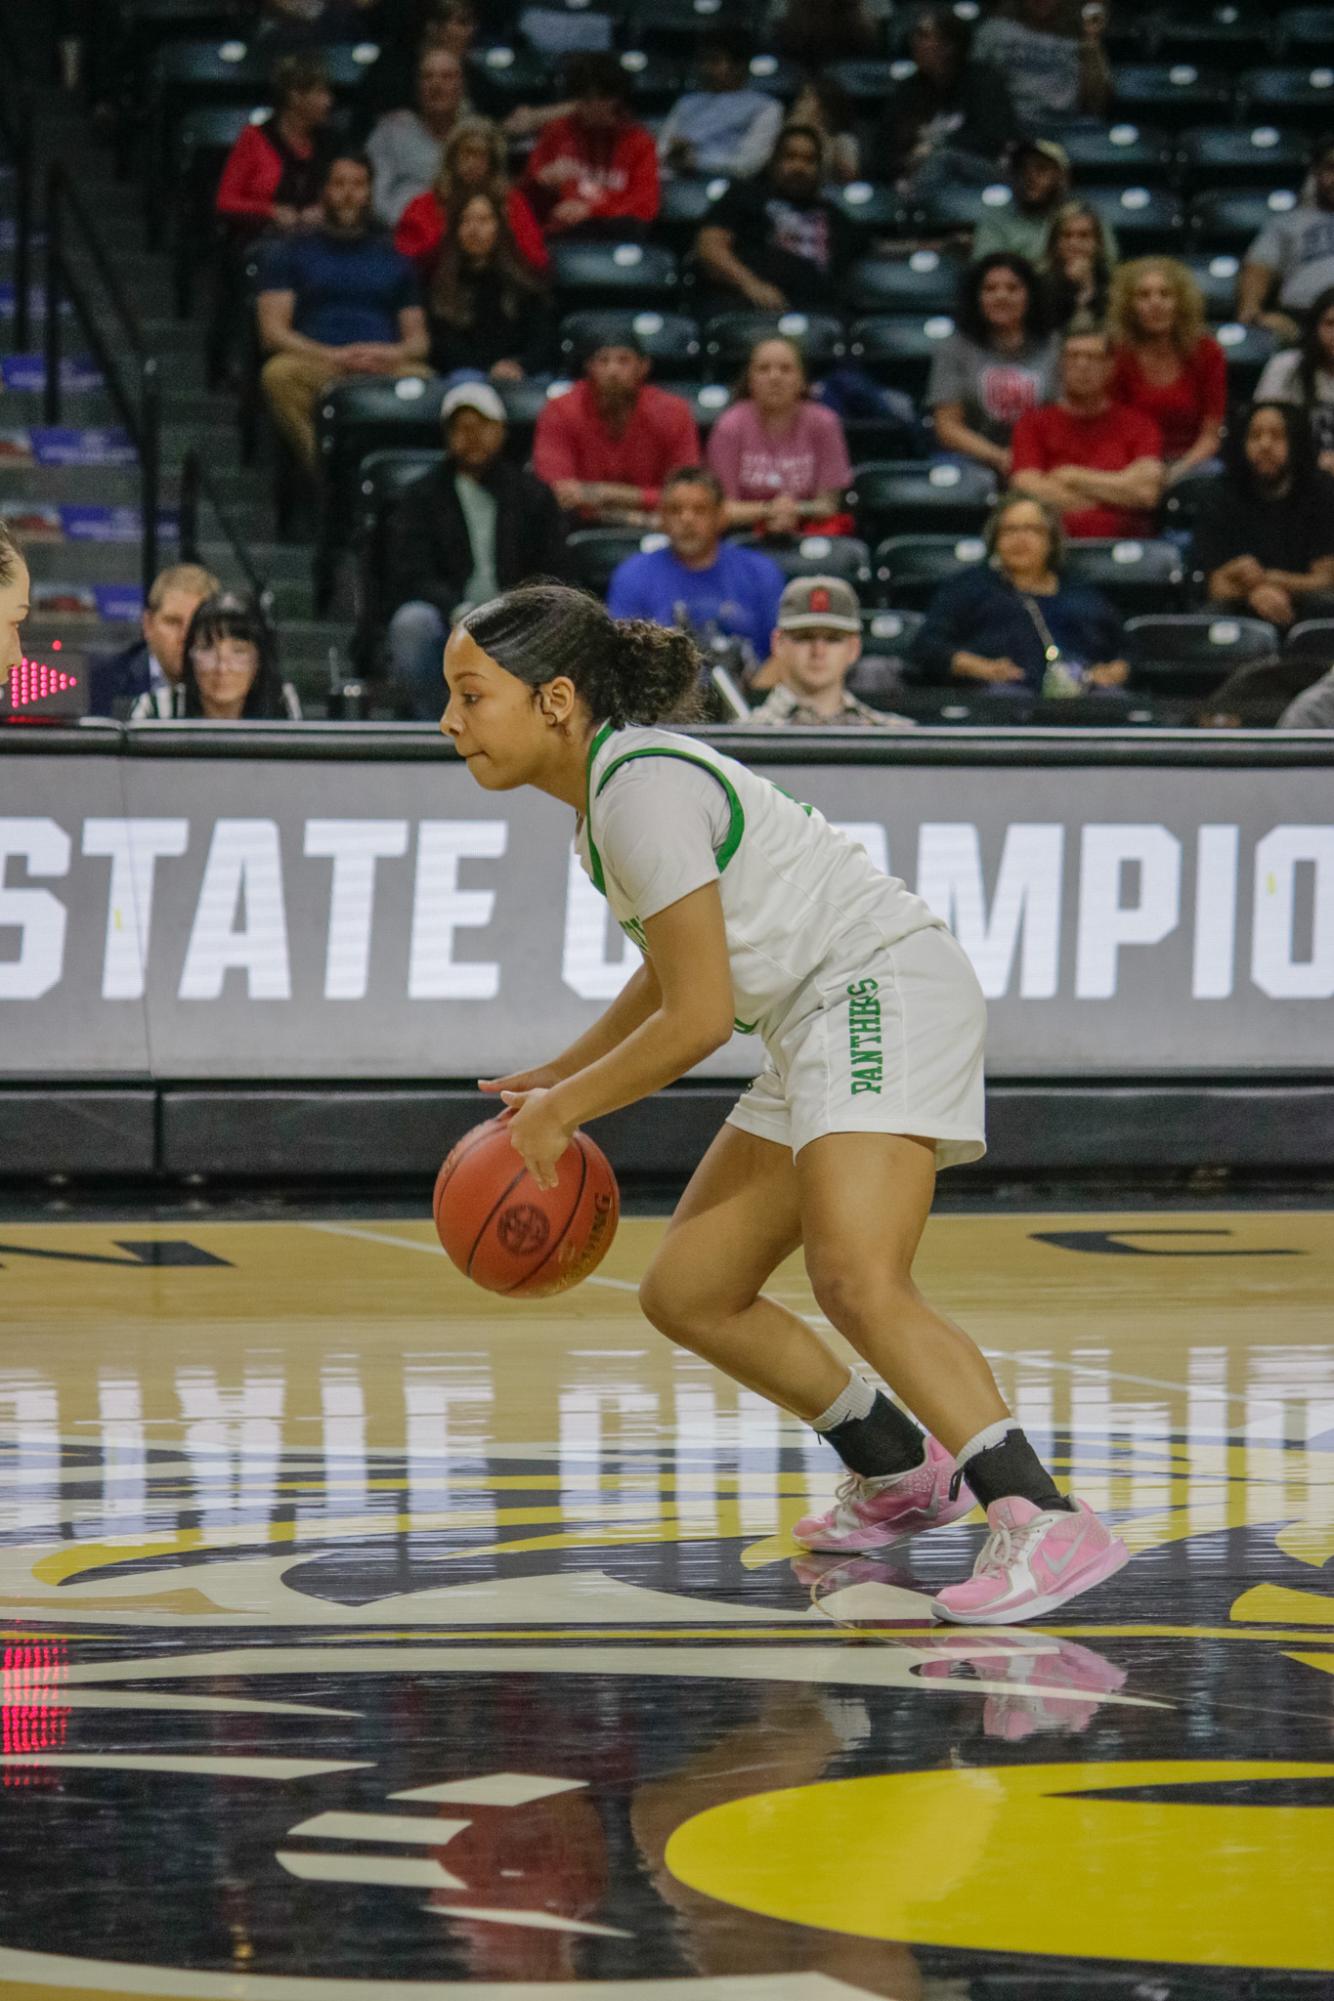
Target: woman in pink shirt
<point>1167,366</point>
<point>781,459</point>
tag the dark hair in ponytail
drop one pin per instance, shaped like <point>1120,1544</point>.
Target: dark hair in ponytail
<point>627,670</point>
<point>10,555</point>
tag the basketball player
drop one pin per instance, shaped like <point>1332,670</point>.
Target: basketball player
<point>748,905</point>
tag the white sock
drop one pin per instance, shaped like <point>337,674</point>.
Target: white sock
<point>854,1400</point>
<point>994,1434</point>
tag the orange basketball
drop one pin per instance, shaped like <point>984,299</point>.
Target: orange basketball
<point>507,1234</point>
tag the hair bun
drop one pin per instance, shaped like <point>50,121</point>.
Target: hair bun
<point>658,672</point>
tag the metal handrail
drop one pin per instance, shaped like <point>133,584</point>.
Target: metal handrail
<point>140,408</point>
<point>16,128</point>
<point>197,484</point>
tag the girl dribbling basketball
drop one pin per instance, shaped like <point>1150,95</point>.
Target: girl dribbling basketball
<point>753,913</point>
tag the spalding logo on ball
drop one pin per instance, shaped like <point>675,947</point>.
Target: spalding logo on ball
<point>507,1234</point>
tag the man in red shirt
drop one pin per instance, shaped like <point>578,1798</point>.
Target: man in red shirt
<point>607,445</point>
<point>1098,462</point>
<point>595,172</point>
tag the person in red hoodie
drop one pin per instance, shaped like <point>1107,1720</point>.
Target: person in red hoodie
<point>595,172</point>
<point>275,171</point>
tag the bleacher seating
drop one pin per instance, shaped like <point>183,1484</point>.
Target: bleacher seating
<point>597,551</point>
<point>1208,139</point>
<point>1190,653</point>
<point>820,556</point>
<point>1140,576</point>
<point>891,497</point>
<point>383,476</point>
<point>911,568</point>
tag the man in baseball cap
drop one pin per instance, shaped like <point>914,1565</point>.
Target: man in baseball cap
<point>472,526</point>
<point>1040,180</point>
<point>816,643</point>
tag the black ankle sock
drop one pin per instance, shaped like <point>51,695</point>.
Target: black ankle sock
<point>1013,1467</point>
<point>884,1441</point>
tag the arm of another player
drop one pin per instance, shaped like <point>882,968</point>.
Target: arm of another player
<point>640,997</point>
<point>688,948</point>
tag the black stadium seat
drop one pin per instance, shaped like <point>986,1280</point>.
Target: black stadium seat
<point>707,400</point>
<point>1235,156</point>
<point>1311,639</point>
<point>1215,272</point>
<point>818,556</point>
<point>898,350</point>
<point>925,282</point>
<point>871,207</point>
<point>1247,350</point>
<point>1293,94</point>
<point>383,477</point>
<point>505,75</point>
<point>1118,154</point>
<point>1145,219</point>
<point>1224,34</point>
<point>897,496</point>
<point>729,338</point>
<point>911,568</point>
<point>1303,29</point>
<point>684,209</point>
<point>1191,652</point>
<point>1176,94</point>
<point>669,339</point>
<point>1230,218</point>
<point>597,551</point>
<point>608,273</point>
<point>1138,576</point>
<point>353,420</point>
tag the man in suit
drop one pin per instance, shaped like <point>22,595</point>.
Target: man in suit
<point>471,527</point>
<point>154,660</point>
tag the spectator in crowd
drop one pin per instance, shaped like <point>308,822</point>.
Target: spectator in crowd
<point>995,366</point>
<point>952,120</point>
<point>780,458</point>
<point>1304,375</point>
<point>816,644</point>
<point>823,104</point>
<point>1313,709</point>
<point>1166,364</point>
<point>1292,256</point>
<point>712,588</point>
<point>776,242</point>
<point>1015,622</point>
<point>151,665</point>
<point>406,147</point>
<point>1264,533</point>
<point>487,309</point>
<point>607,446</point>
<point>297,24</point>
<point>1051,54</point>
<point>275,171</point>
<point>829,32</point>
<point>453,26</point>
<point>473,163</point>
<point>1040,183</point>
<point>1259,695</point>
<point>471,527</point>
<point>230,671</point>
<point>728,127</point>
<point>595,171</point>
<point>1078,258</point>
<point>15,596</point>
<point>337,302</point>
<point>1097,462</point>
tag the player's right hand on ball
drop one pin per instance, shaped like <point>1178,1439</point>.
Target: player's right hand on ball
<point>540,1079</point>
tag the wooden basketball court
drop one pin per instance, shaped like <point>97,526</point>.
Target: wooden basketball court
<point>366,1635</point>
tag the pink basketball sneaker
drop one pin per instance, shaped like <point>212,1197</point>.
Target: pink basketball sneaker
<point>1032,1563</point>
<point>869,1514</point>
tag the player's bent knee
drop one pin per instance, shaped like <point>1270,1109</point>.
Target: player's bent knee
<point>852,1292</point>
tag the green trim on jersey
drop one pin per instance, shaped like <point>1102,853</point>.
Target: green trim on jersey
<point>737,821</point>
<point>722,854</point>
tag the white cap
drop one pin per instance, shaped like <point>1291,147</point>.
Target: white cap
<point>478,396</point>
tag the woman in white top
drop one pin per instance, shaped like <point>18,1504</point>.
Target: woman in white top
<point>1305,375</point>
<point>753,913</point>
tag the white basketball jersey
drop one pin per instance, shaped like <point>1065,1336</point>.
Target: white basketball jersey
<point>797,895</point>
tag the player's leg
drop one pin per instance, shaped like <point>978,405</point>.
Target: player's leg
<point>865,1198</point>
<point>736,1222</point>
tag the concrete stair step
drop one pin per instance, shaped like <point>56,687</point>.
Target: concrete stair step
<point>115,562</point>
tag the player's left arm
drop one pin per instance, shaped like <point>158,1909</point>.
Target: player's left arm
<point>687,945</point>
